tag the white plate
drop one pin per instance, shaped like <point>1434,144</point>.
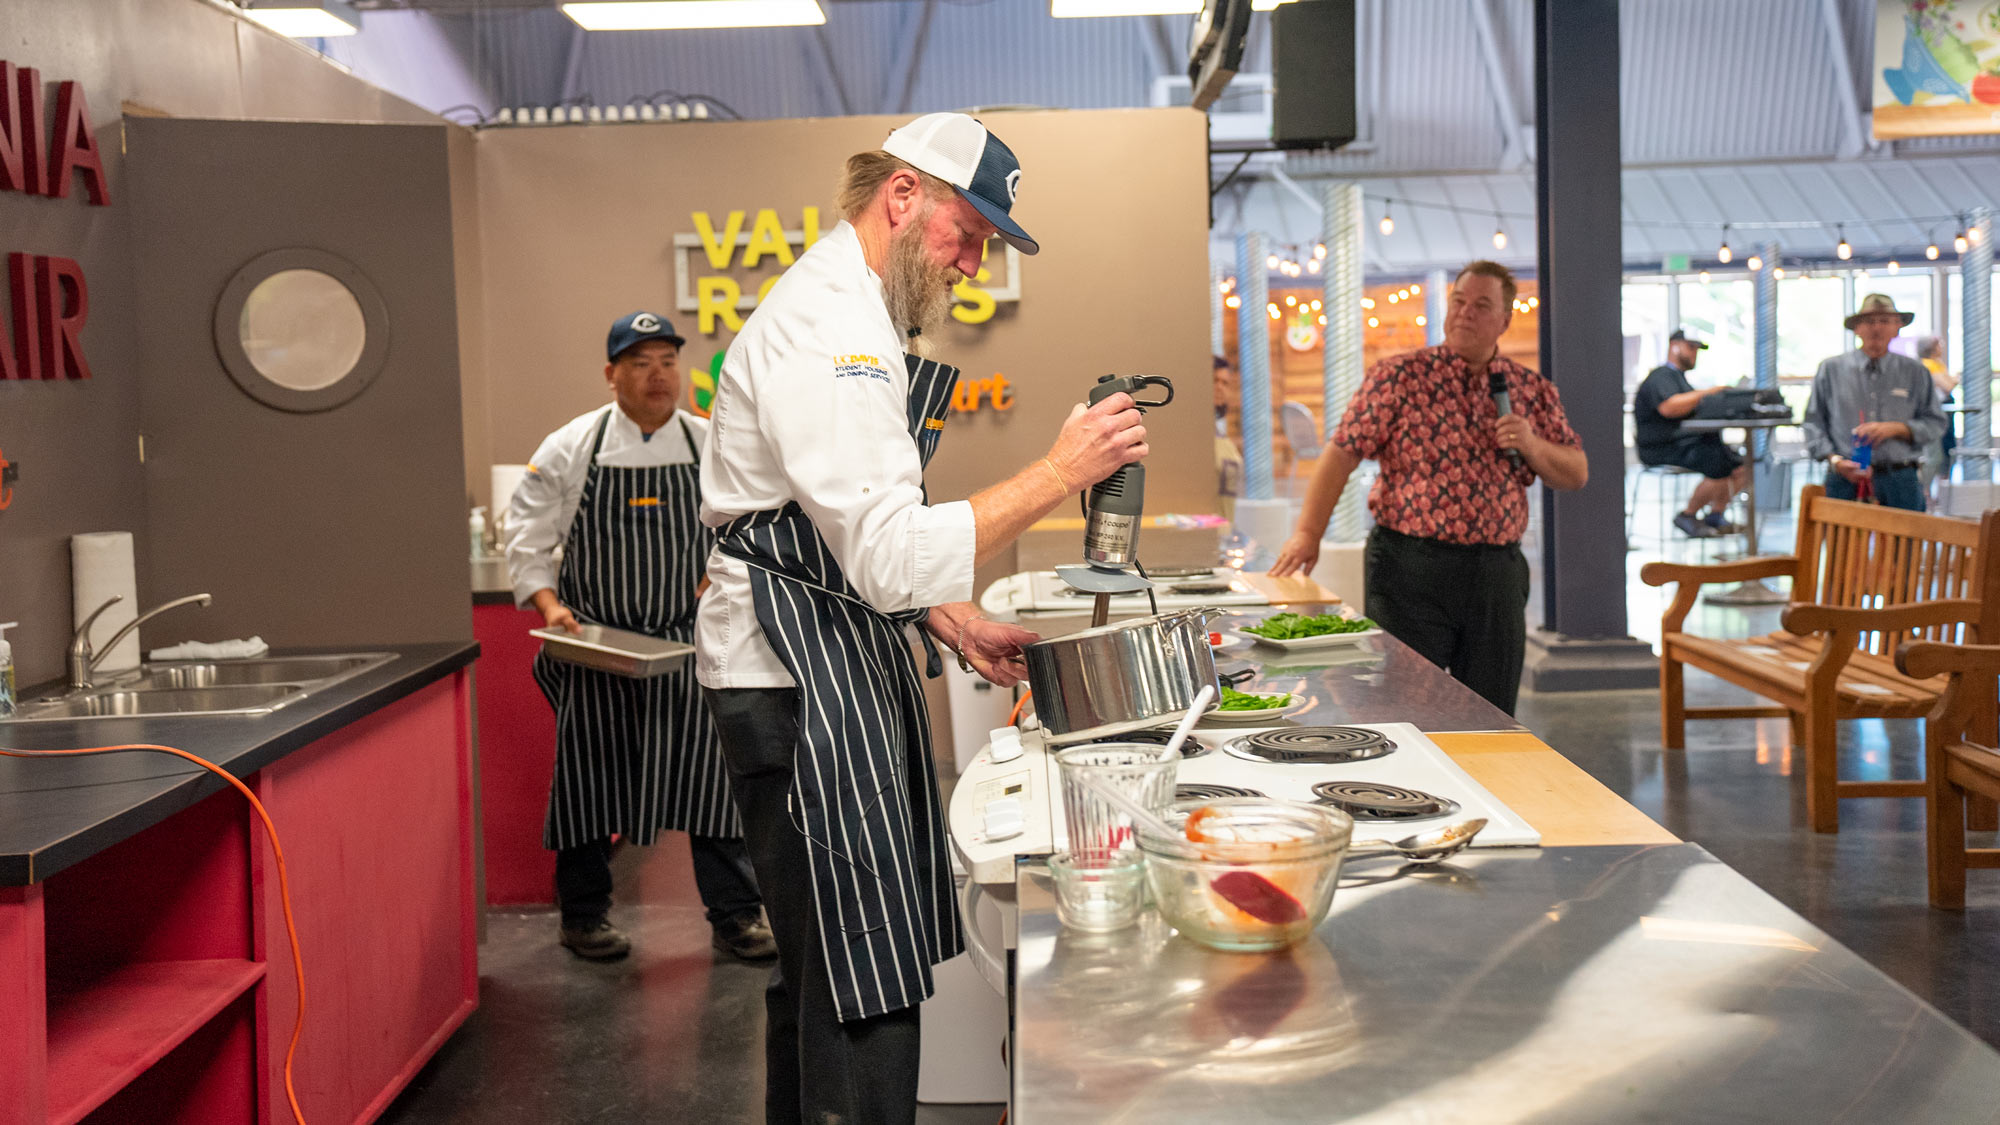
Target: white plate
<point>1262,714</point>
<point>1328,640</point>
<point>1232,643</point>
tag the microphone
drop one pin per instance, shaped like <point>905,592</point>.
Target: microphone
<point>1496,383</point>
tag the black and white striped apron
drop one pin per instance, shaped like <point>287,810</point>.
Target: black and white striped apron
<point>634,756</point>
<point>864,791</point>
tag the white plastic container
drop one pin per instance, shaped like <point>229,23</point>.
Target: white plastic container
<point>6,670</point>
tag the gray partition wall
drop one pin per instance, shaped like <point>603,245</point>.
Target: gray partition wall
<point>316,517</point>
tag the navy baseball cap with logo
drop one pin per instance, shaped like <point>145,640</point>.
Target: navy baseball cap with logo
<point>958,150</point>
<point>637,328</point>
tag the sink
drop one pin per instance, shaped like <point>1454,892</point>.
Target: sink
<point>255,700</point>
<point>222,687</point>
<point>271,670</point>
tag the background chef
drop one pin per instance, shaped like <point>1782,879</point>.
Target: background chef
<point>619,489</point>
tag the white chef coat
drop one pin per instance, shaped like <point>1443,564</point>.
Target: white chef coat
<point>812,405</point>
<point>545,502</point>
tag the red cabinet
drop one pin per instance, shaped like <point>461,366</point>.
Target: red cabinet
<point>517,754</point>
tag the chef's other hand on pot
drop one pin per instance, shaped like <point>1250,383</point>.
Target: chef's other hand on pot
<point>1299,555</point>
<point>993,648</point>
<point>1099,440</point>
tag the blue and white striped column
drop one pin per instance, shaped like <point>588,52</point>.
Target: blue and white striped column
<point>1253,352</point>
<point>1975,365</point>
<point>1341,228</point>
<point>1764,285</point>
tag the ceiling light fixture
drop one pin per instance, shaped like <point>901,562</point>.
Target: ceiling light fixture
<point>1388,225</point>
<point>1499,239</point>
<point>307,19</point>
<point>1894,265</point>
<point>1959,242</point>
<point>1755,263</point>
<point>1843,251</point>
<point>688,15</point>
<point>1931,251</point>
<point>1722,253</point>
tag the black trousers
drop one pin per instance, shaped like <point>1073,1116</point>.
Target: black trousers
<point>722,875</point>
<point>1464,608</point>
<point>816,1068</point>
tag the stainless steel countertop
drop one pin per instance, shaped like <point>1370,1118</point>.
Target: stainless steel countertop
<point>1378,680</point>
<point>1603,984</point>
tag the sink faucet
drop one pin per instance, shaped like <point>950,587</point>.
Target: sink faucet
<point>82,663</point>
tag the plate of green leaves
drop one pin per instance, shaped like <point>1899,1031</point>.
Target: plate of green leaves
<point>1252,706</point>
<point>1294,631</point>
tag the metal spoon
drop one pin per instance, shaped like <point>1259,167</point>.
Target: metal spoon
<point>1434,846</point>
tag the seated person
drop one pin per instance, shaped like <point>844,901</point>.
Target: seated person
<point>1663,400</point>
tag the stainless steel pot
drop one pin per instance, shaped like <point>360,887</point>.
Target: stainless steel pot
<point>1120,677</point>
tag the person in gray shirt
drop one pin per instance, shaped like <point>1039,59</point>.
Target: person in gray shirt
<point>1871,397</point>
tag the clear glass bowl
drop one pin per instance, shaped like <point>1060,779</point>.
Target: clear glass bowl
<point>1263,879</point>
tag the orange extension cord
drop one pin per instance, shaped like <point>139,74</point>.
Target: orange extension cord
<point>1014,716</point>
<point>284,882</point>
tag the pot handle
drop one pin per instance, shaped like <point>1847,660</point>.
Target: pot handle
<point>1231,679</point>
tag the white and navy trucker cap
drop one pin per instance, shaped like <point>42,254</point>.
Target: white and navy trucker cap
<point>958,150</point>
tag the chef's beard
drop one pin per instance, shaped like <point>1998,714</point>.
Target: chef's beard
<point>916,289</point>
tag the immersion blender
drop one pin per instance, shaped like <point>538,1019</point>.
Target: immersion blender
<point>1114,508</point>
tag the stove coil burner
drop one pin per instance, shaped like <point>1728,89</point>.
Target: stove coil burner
<point>1192,748</point>
<point>1372,801</point>
<point>1312,745</point>
<point>1205,791</point>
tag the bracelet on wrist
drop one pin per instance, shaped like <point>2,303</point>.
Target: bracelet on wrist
<point>1058,474</point>
<point>963,666</point>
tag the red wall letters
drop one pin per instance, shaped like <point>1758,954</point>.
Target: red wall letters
<point>49,297</point>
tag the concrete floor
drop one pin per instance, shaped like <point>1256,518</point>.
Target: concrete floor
<point>672,1034</point>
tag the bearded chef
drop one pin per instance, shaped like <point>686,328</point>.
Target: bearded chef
<point>828,549</point>
<point>619,490</point>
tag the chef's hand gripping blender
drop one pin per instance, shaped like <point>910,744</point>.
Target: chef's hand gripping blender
<point>1112,510</point>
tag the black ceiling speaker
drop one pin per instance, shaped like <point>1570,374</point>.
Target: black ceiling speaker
<point>1312,74</point>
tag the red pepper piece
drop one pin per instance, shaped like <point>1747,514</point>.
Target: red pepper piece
<point>1258,897</point>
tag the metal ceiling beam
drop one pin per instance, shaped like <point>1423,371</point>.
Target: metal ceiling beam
<point>1855,134</point>
<point>1520,145</point>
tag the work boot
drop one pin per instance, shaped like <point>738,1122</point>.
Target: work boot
<point>596,940</point>
<point>747,939</point>
<point>1693,528</point>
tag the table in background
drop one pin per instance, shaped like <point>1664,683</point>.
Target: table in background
<point>1753,592</point>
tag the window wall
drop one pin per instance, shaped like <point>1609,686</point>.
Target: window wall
<point>1722,314</point>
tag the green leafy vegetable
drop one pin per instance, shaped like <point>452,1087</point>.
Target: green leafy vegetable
<point>1233,700</point>
<point>1293,626</point>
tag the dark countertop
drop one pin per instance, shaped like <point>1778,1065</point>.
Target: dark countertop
<point>58,812</point>
<point>1377,680</point>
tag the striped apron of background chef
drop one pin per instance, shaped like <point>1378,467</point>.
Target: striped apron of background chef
<point>864,790</point>
<point>634,756</point>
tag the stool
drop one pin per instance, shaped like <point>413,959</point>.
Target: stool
<point>1661,476</point>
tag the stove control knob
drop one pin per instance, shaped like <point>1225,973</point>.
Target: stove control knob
<point>1003,818</point>
<point>1005,743</point>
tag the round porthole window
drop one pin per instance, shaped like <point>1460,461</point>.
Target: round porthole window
<point>301,330</point>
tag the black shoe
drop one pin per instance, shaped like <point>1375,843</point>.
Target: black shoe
<point>746,939</point>
<point>1693,528</point>
<point>596,940</point>
<point>1721,524</point>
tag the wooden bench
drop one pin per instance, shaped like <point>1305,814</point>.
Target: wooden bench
<point>1864,579</point>
<point>1959,759</point>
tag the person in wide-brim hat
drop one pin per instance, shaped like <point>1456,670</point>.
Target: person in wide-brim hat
<point>1877,304</point>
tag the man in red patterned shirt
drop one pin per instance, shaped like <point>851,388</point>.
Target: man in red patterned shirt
<point>1445,570</point>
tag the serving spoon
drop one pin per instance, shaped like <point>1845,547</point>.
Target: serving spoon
<point>1435,846</point>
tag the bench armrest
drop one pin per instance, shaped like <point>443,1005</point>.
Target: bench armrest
<point>1924,659</point>
<point>1804,617</point>
<point>1768,566</point>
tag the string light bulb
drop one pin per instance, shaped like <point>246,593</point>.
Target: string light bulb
<point>1894,265</point>
<point>1843,251</point>
<point>1374,322</point>
<point>1722,253</point>
<point>1755,263</point>
<point>1972,234</point>
<point>1388,225</point>
<point>1959,242</point>
<point>1778,272</point>
<point>1703,275</point>
<point>1271,262</point>
<point>1273,310</point>
<point>1423,320</point>
<point>1416,290</point>
<point>1931,252</point>
<point>1234,302</point>
<point>1499,239</point>
<point>1319,249</point>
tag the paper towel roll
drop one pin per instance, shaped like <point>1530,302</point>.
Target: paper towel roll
<point>101,566</point>
<point>505,479</point>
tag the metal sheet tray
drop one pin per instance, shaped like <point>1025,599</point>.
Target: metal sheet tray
<point>617,651</point>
